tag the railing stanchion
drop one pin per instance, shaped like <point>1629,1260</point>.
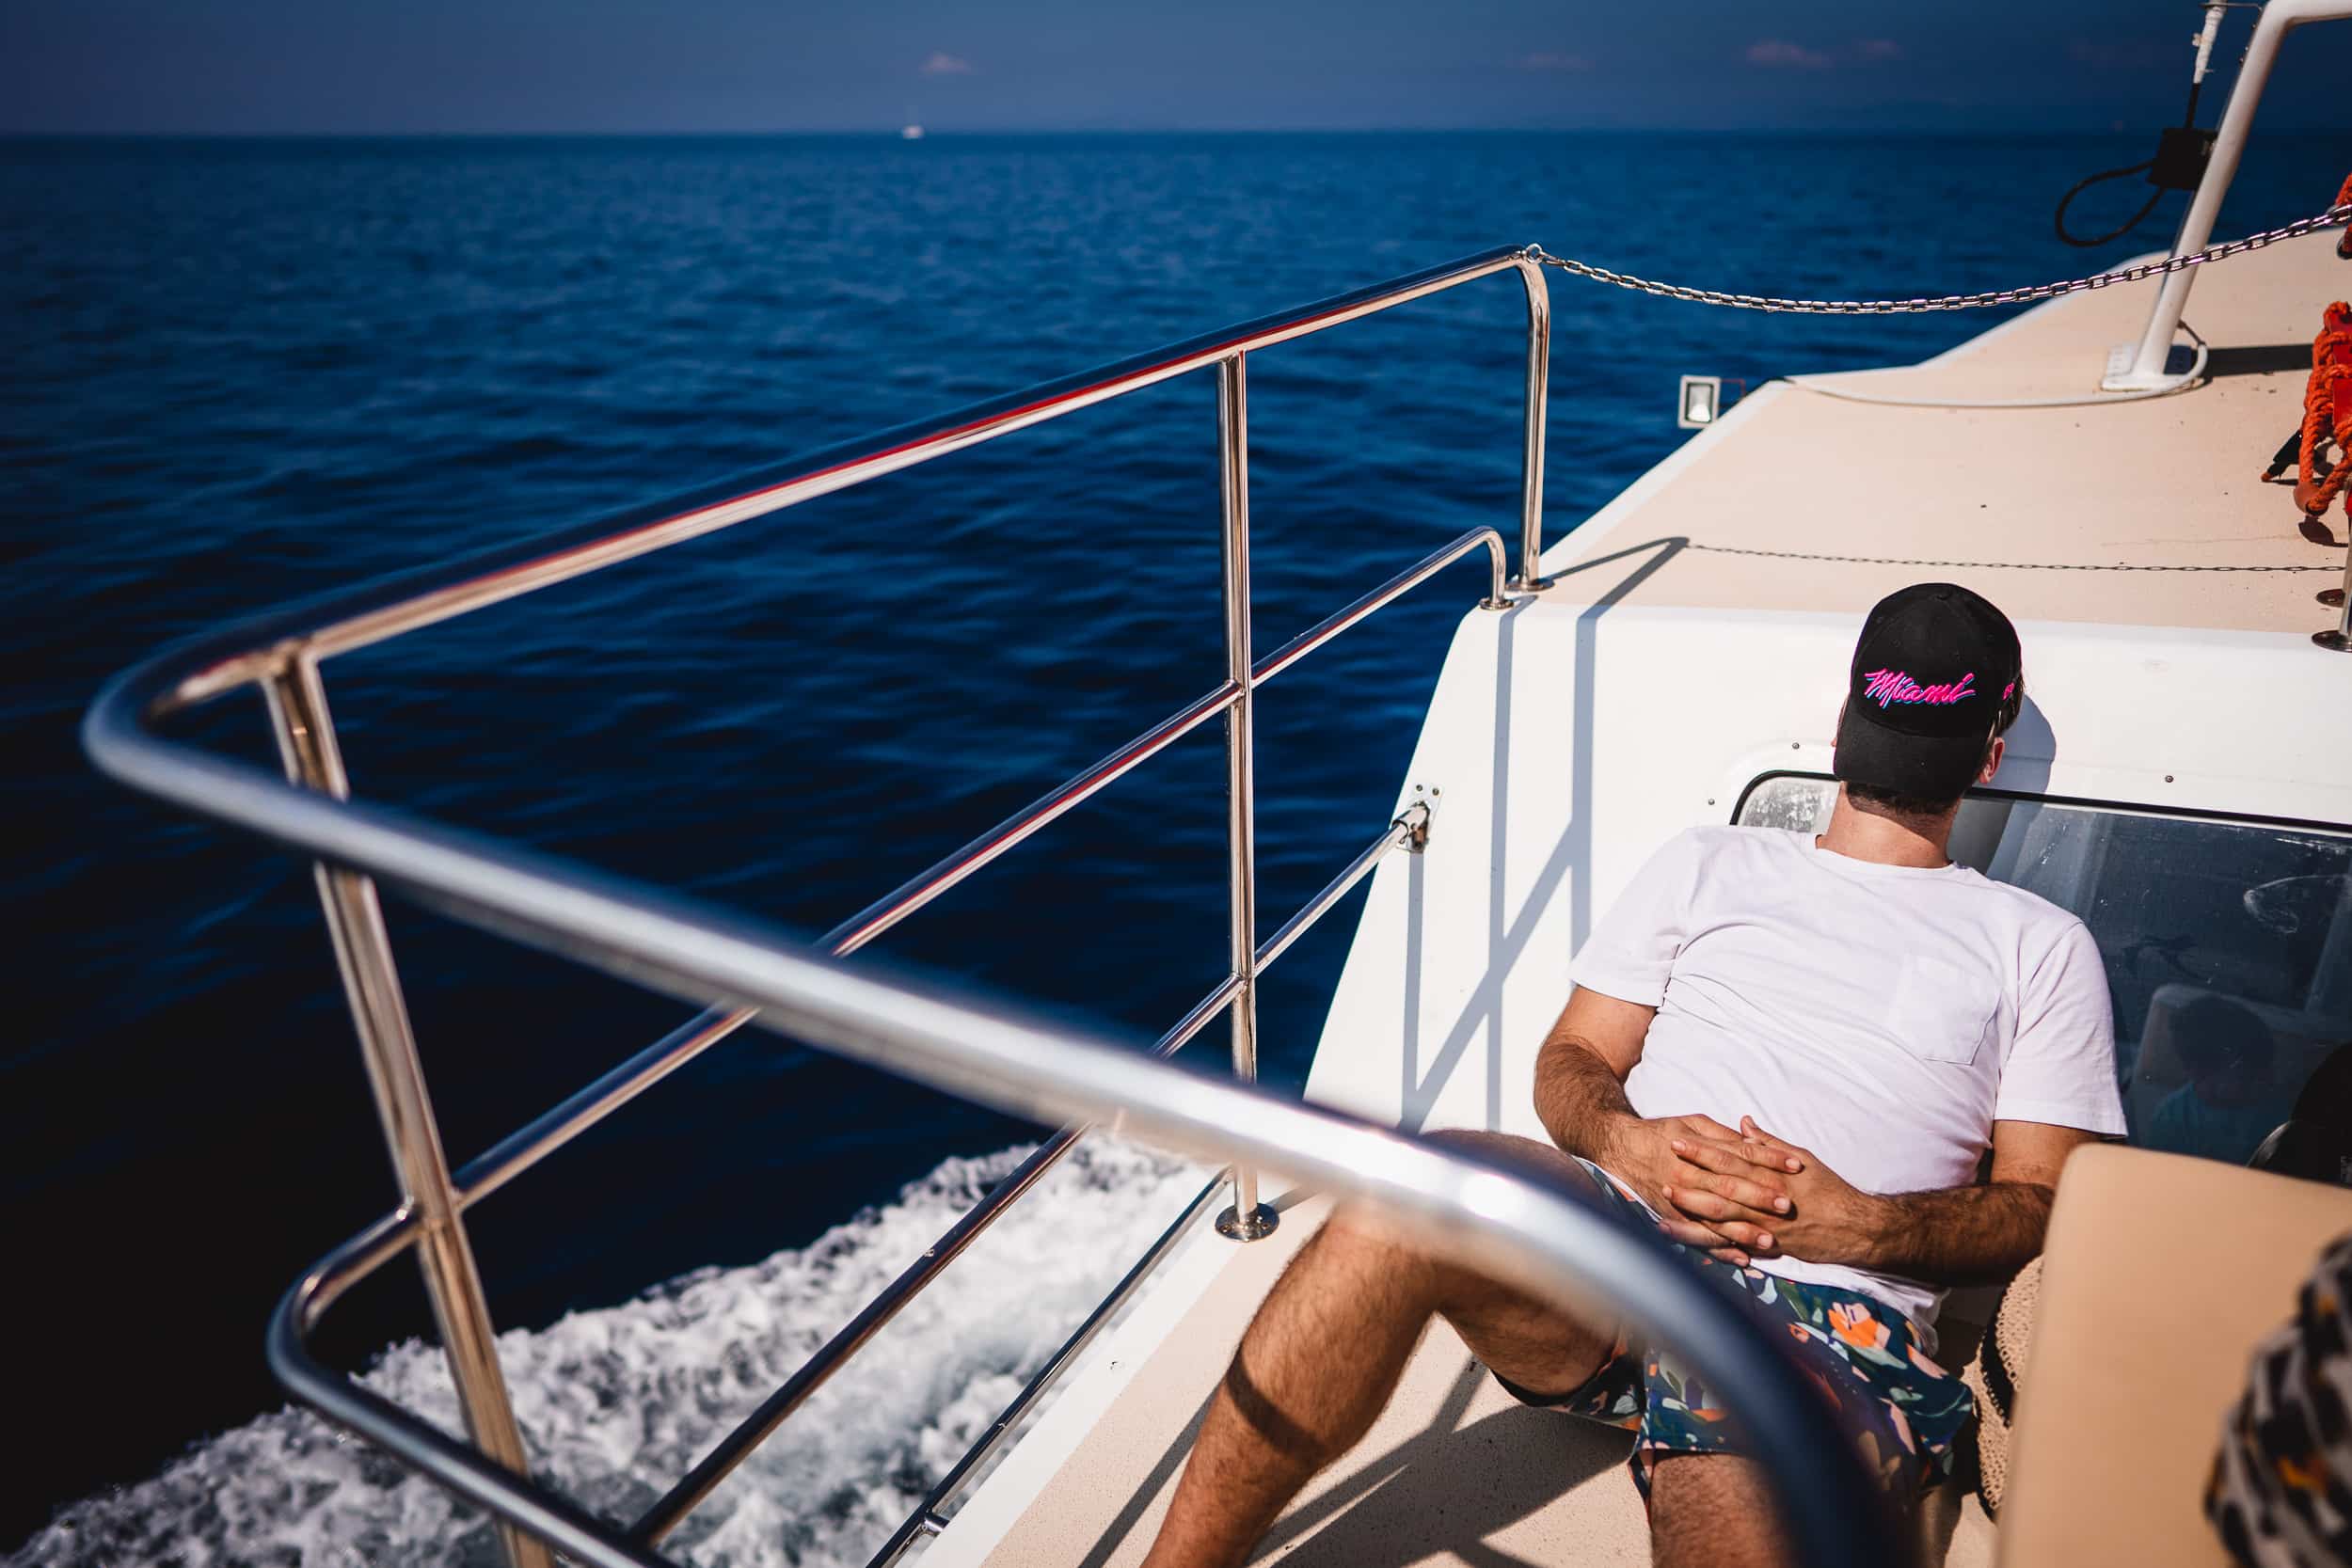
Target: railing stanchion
<point>2339,636</point>
<point>282,655</point>
<point>1248,1219</point>
<point>2147,365</point>
<point>355,920</point>
<point>1537,404</point>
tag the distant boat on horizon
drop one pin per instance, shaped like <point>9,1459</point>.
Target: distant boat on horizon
<point>909,132</point>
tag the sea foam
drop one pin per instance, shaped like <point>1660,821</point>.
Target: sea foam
<point>616,1403</point>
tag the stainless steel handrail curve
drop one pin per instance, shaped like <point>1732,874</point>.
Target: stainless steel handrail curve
<point>1545,1239</point>
<point>283,652</point>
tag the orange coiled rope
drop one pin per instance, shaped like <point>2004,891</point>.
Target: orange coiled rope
<point>2326,411</point>
<point>2343,241</point>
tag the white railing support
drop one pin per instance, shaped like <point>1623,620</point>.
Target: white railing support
<point>2145,371</point>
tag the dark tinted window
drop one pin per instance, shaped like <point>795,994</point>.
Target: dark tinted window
<point>2228,948</point>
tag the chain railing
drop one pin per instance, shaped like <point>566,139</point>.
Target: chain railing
<point>2334,218</point>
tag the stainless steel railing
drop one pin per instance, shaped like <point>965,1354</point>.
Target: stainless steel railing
<point>282,653</point>
<point>1521,1230</point>
<point>1547,1239</point>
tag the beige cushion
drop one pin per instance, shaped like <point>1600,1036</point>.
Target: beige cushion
<point>2160,1274</point>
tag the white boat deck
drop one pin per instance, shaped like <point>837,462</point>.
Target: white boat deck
<point>2141,512</point>
<point>1722,590</point>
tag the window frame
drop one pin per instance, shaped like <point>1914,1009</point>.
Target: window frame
<point>2122,808</point>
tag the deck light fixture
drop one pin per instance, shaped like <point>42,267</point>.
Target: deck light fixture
<point>1701,400</point>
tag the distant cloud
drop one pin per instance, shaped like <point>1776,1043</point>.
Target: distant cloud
<point>940,63</point>
<point>1549,60</point>
<point>1780,54</point>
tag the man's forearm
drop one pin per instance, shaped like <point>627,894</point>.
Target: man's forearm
<point>1579,1098</point>
<point>1957,1236</point>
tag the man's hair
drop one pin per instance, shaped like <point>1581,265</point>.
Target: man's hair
<point>1897,804</point>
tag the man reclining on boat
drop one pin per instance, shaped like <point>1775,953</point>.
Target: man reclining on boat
<point>1789,1052</point>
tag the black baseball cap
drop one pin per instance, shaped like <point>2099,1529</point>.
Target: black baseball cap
<point>1937,673</point>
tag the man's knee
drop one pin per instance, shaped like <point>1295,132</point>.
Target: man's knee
<point>1358,1228</point>
<point>1359,1238</point>
<point>1533,1340</point>
<point>1367,1255</point>
<point>1714,1507</point>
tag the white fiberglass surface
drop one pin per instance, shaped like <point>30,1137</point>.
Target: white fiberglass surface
<point>616,1403</point>
<point>2228,947</point>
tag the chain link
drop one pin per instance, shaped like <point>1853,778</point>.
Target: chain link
<point>2332,218</point>
<point>1999,565</point>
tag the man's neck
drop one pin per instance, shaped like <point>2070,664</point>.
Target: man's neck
<point>1867,832</point>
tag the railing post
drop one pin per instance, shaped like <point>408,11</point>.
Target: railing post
<point>1538,408</point>
<point>354,921</point>
<point>1248,1219</point>
<point>2145,368</point>
<point>2338,637</point>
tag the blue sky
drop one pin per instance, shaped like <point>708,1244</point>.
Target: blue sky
<point>535,66</point>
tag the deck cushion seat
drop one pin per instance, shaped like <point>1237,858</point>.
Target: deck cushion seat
<point>2161,1272</point>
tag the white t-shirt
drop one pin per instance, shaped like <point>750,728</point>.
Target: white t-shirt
<point>1882,1015</point>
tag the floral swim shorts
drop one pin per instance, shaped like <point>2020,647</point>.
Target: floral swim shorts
<point>1904,1411</point>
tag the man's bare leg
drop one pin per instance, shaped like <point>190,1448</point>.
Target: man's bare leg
<point>1714,1510</point>
<point>1325,1353</point>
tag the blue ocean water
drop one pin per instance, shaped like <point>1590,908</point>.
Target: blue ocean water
<point>240,373</point>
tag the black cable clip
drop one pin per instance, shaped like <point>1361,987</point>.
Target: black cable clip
<point>2181,153</point>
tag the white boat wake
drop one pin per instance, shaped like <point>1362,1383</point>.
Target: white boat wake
<point>618,1401</point>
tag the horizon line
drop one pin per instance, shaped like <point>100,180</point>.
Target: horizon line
<point>929,131</point>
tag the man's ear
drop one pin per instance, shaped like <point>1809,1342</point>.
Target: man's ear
<point>1993,754</point>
